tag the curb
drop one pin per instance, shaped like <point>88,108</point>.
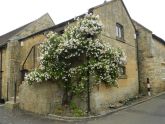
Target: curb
<point>74,119</point>
<point>2,105</point>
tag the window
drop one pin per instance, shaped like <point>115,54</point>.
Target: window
<point>119,32</point>
<point>61,32</point>
<point>122,72</point>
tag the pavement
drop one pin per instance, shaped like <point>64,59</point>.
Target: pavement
<point>149,112</point>
<point>20,117</point>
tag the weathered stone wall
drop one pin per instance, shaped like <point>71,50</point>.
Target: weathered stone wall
<point>151,56</point>
<point>145,57</point>
<point>158,80</point>
<point>110,14</point>
<point>41,98</point>
<point>13,65</point>
<point>40,24</point>
<point>26,46</point>
<point>44,98</point>
<point>13,57</point>
<point>102,96</point>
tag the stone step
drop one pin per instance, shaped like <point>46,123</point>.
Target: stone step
<point>11,105</point>
<point>12,98</point>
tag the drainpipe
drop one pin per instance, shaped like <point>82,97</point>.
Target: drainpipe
<point>88,87</point>
<point>7,91</point>
<point>137,57</point>
<point>88,80</point>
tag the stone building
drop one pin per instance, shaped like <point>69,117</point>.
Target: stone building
<point>151,59</point>
<point>13,51</point>
<point>119,31</point>
<point>144,50</point>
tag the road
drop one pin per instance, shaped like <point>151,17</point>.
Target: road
<point>20,117</point>
<point>150,112</point>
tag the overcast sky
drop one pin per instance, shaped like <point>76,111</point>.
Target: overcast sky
<point>15,13</point>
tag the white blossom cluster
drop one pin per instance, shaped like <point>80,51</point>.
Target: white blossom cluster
<point>69,56</point>
<point>37,76</point>
<point>90,25</point>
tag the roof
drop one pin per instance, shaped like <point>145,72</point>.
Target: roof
<point>140,25</point>
<point>5,38</point>
<point>42,23</point>
<point>105,3</point>
<point>158,38</point>
<point>60,27</point>
<point>57,28</point>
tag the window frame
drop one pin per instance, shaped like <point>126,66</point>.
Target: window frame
<point>119,32</point>
<point>124,74</point>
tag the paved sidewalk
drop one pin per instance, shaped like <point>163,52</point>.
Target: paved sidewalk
<point>149,112</point>
<point>20,117</point>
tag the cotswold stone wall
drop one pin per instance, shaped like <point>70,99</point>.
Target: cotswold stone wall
<point>13,55</point>
<point>46,98</point>
<point>110,14</point>
<point>101,96</point>
<point>151,58</point>
<point>26,45</point>
<point>146,60</point>
<point>41,98</point>
<point>158,81</point>
<point>13,66</point>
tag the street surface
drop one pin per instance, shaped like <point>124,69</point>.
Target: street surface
<point>150,112</point>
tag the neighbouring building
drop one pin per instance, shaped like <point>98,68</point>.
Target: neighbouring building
<point>151,59</point>
<point>13,53</point>
<point>144,50</point>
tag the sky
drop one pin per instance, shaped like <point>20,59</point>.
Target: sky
<point>15,13</point>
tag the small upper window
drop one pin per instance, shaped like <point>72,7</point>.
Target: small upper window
<point>61,32</point>
<point>122,70</point>
<point>119,31</point>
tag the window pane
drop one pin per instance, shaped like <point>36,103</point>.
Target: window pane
<point>122,70</point>
<point>119,31</point>
<point>117,34</point>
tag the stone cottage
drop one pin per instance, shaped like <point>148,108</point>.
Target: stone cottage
<point>144,50</point>
<point>13,52</point>
<point>120,31</point>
